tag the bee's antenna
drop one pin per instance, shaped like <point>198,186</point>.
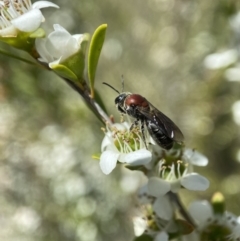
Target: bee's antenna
<point>122,78</point>
<point>111,87</point>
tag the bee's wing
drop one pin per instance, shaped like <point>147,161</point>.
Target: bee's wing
<point>168,127</point>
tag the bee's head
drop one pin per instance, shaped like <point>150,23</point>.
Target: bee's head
<point>119,102</point>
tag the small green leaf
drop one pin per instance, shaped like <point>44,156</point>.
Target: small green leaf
<point>94,53</point>
<point>96,156</point>
<point>65,72</point>
<point>39,33</point>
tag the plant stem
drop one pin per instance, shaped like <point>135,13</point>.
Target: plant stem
<point>175,199</point>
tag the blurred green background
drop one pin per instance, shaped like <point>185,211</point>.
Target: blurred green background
<point>51,188</point>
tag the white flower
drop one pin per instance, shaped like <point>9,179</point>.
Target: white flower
<point>121,144</point>
<point>175,179</point>
<point>179,173</point>
<point>21,15</point>
<point>221,60</point>
<point>139,225</point>
<point>161,205</point>
<point>209,222</point>
<point>58,46</point>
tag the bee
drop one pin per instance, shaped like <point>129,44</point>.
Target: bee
<point>163,130</point>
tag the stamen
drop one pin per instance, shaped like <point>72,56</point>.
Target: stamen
<point>163,171</point>
<point>128,148</point>
<point>171,175</point>
<point>178,168</point>
<point>120,144</point>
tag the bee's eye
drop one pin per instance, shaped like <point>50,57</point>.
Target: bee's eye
<point>120,99</point>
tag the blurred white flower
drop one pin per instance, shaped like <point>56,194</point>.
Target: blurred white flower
<point>233,74</point>
<point>58,46</point>
<point>121,144</point>
<point>142,225</point>
<point>174,171</point>
<point>139,225</point>
<point>235,22</point>
<point>21,15</point>
<point>226,224</point>
<point>221,60</point>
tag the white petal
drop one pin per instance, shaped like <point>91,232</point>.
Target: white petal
<point>139,157</point>
<point>201,211</point>
<point>236,232</point>
<point>143,195</point>
<point>139,225</point>
<point>28,22</point>
<point>195,157</point>
<point>58,27</point>
<point>108,161</point>
<point>44,4</point>
<point>175,186</point>
<point>55,63</point>
<point>41,49</point>
<point>158,187</point>
<point>120,126</point>
<point>60,43</point>
<point>126,125</point>
<point>195,182</point>
<point>78,37</point>
<point>162,207</point>
<point>162,236</point>
<point>10,31</point>
<point>106,141</point>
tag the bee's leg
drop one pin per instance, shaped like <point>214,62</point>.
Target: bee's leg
<point>121,120</point>
<point>135,123</point>
<point>143,134</point>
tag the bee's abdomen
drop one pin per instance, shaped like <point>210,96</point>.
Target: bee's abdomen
<point>158,136</point>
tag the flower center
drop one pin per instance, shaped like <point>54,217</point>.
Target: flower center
<point>11,9</point>
<point>127,141</point>
<point>172,171</point>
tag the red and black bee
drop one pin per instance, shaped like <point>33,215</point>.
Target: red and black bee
<point>163,130</point>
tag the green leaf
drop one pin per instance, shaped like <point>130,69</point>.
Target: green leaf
<point>94,53</point>
<point>96,156</point>
<point>39,33</point>
<point>65,72</point>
